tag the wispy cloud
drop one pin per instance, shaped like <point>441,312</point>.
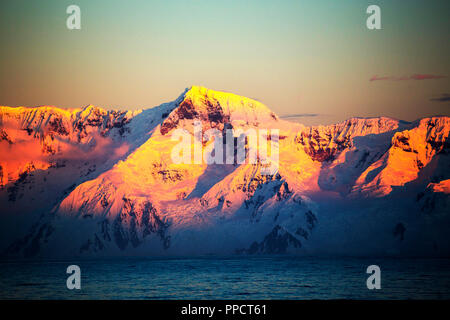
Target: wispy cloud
<point>445,97</point>
<point>298,115</point>
<point>416,76</point>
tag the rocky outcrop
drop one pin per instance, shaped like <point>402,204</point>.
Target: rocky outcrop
<point>323,143</point>
<point>278,241</point>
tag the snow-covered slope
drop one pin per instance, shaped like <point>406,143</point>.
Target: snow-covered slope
<point>102,183</point>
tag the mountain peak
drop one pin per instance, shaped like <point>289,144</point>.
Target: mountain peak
<point>229,102</point>
<point>217,108</point>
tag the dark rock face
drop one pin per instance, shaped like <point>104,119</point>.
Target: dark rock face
<point>363,159</point>
<point>311,219</point>
<point>29,246</point>
<point>56,125</point>
<point>399,231</point>
<point>283,192</point>
<point>105,121</point>
<point>96,245</point>
<point>135,222</point>
<point>186,110</point>
<point>14,190</point>
<point>440,146</point>
<point>260,188</point>
<point>431,202</point>
<point>4,136</point>
<point>276,242</point>
<point>209,112</point>
<point>401,141</point>
<point>322,146</point>
<point>166,175</point>
<point>302,233</point>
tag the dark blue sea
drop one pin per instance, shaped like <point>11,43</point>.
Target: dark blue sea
<point>274,277</point>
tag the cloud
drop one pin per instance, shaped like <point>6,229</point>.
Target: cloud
<point>97,148</point>
<point>426,76</point>
<point>445,97</point>
<point>25,149</point>
<point>416,76</point>
<point>377,78</point>
<point>298,115</point>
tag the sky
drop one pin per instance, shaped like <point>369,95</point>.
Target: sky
<point>309,61</point>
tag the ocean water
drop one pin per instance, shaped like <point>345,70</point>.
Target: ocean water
<point>262,277</point>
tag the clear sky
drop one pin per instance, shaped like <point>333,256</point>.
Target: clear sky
<point>297,57</point>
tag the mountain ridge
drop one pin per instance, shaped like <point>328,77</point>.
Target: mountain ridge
<point>106,179</point>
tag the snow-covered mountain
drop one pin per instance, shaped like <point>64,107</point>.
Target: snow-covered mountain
<point>91,182</point>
